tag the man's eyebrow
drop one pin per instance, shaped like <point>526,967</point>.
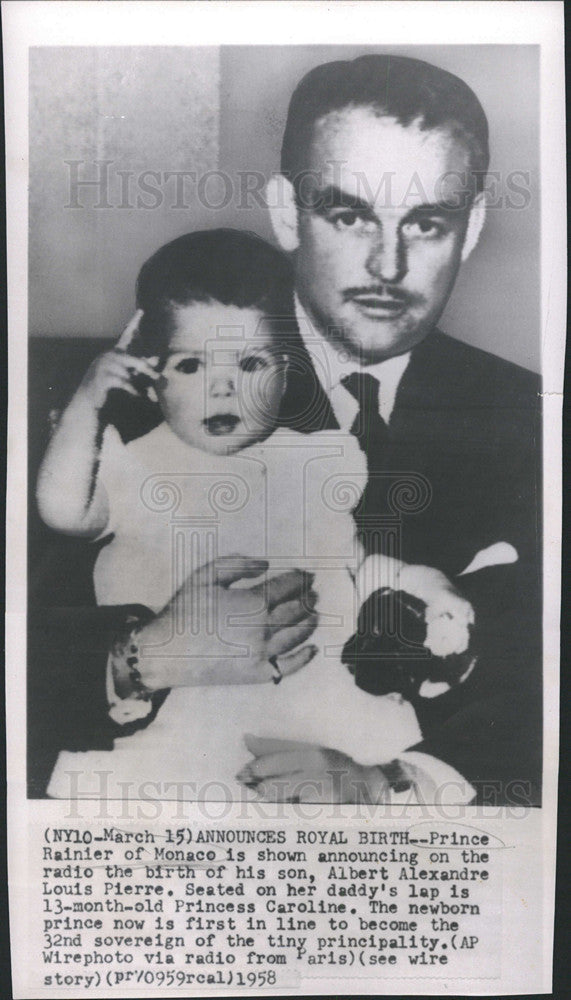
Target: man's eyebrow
<point>432,208</point>
<point>334,197</point>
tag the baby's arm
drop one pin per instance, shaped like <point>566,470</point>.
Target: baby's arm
<point>71,498</point>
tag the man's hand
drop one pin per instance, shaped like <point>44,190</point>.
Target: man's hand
<point>212,633</point>
<point>291,771</point>
<point>448,615</point>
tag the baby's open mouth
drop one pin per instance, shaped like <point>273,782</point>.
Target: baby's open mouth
<point>221,423</point>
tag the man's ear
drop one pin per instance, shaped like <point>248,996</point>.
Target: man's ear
<point>475,224</point>
<point>280,198</point>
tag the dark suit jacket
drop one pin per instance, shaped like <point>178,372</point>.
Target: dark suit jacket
<point>465,432</point>
<point>67,705</point>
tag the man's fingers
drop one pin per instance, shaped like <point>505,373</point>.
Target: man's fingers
<point>291,612</point>
<point>129,332</point>
<point>291,636</point>
<point>449,604</point>
<point>227,570</point>
<point>272,765</point>
<point>295,788</point>
<point>290,663</point>
<point>289,586</point>
<point>259,745</point>
<point>272,791</point>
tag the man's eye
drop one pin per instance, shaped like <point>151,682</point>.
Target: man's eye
<point>349,219</point>
<point>424,227</point>
<point>252,363</point>
<point>188,366</point>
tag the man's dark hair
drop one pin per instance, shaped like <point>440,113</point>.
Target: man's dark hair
<point>396,86</point>
<point>215,265</point>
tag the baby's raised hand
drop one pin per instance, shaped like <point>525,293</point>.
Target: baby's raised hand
<point>117,369</point>
<point>114,370</point>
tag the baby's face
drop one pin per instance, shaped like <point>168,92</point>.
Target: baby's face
<point>223,379</point>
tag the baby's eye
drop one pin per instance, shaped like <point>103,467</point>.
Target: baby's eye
<point>188,366</point>
<point>253,363</point>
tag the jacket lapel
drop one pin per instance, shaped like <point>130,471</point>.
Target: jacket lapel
<point>305,406</point>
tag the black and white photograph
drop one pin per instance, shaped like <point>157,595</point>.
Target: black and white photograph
<point>286,516</point>
<point>288,510</point>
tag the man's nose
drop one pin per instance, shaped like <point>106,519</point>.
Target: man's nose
<point>222,385</point>
<point>386,261</point>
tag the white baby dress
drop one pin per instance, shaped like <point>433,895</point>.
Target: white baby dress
<point>289,500</point>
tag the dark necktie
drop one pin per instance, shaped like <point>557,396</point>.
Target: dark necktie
<point>368,426</point>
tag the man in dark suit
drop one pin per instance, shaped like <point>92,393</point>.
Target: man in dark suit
<point>379,202</point>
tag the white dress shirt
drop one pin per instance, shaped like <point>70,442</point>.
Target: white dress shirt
<point>332,363</point>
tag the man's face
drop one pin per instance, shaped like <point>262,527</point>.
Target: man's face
<point>379,246</point>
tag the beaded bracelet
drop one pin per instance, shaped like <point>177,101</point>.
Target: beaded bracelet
<point>125,665</point>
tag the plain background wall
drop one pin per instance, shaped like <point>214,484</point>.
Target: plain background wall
<point>199,109</point>
<point>141,109</point>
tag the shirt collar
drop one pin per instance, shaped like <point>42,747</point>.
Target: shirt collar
<point>332,364</point>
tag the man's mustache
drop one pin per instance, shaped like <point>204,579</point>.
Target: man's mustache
<point>379,291</point>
